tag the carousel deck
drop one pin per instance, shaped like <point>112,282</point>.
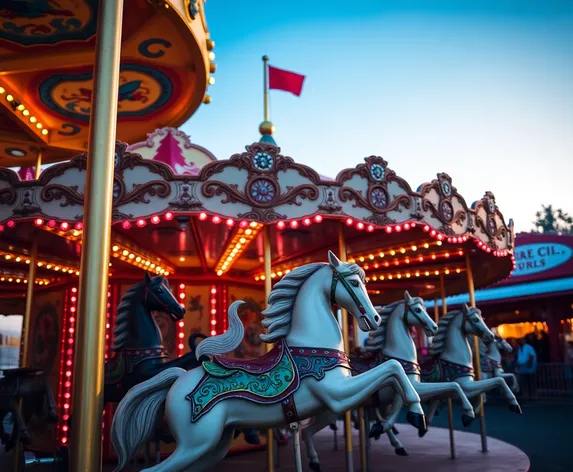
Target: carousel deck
<point>430,453</point>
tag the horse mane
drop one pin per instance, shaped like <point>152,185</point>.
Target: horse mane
<point>439,341</point>
<point>121,330</point>
<point>483,349</point>
<point>278,316</point>
<point>377,338</point>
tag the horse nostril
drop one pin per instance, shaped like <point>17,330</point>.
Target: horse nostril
<point>377,319</point>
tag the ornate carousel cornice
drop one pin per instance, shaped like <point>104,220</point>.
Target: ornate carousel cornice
<point>260,185</point>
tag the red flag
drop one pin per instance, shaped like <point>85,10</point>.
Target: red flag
<point>280,79</point>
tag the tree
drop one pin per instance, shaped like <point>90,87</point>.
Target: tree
<point>549,220</point>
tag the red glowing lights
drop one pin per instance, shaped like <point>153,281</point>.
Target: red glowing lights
<point>213,310</point>
<point>181,323</point>
<point>155,219</point>
<point>141,223</point>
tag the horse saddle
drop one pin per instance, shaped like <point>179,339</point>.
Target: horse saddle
<point>439,370</point>
<point>266,380</point>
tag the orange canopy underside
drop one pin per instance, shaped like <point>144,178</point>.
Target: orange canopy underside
<point>46,69</point>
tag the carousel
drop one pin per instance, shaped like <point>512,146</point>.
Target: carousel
<point>184,257</point>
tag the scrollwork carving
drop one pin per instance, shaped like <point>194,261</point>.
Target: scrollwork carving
<point>444,210</point>
<point>70,194</point>
<point>8,196</point>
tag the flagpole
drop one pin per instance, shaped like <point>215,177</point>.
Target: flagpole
<point>266,87</point>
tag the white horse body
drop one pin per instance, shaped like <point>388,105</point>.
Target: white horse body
<point>490,355</point>
<point>300,314</point>
<point>393,340</point>
<point>451,345</point>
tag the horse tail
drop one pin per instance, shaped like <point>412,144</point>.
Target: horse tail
<point>137,414</point>
<point>228,341</point>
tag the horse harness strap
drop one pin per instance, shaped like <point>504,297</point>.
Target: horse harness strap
<point>157,299</point>
<point>336,276</point>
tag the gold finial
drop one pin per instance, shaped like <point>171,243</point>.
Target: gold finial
<point>266,128</point>
<point>206,99</point>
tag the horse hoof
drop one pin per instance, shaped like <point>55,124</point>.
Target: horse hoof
<point>314,466</point>
<point>334,427</point>
<point>422,432</point>
<point>515,409</point>
<point>467,419</point>
<point>401,452</point>
<point>376,430</point>
<point>417,420</point>
<point>395,430</point>
<point>236,434</point>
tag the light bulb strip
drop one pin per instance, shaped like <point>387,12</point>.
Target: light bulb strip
<point>138,258</point>
<point>69,363</point>
<point>181,323</point>
<point>448,255</point>
<point>11,102</point>
<point>385,252</point>
<point>10,278</point>
<point>237,246</point>
<point>20,258</point>
<point>213,308</point>
<point>62,428</point>
<point>413,274</point>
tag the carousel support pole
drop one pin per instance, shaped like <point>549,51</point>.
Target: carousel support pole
<point>477,363</point>
<point>268,287</point>
<point>450,404</point>
<point>436,311</point>
<point>344,316</point>
<point>25,343</point>
<point>90,346</point>
<point>294,427</point>
<point>38,169</point>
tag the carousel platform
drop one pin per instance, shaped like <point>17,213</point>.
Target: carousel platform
<point>431,453</point>
<point>428,454</point>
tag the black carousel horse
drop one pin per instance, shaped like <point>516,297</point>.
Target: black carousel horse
<point>138,343</point>
<point>30,388</point>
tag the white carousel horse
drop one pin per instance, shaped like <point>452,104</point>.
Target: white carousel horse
<point>452,357</point>
<point>305,373</point>
<point>392,340</point>
<point>490,361</point>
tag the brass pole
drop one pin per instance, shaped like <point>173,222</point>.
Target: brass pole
<point>477,363</point>
<point>268,287</point>
<point>450,405</point>
<point>90,345</point>
<point>436,311</point>
<point>266,88</point>
<point>344,317</point>
<point>38,164</point>
<point>25,337</point>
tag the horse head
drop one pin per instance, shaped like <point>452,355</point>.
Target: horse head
<point>474,323</point>
<point>351,293</point>
<point>159,297</point>
<point>415,314</point>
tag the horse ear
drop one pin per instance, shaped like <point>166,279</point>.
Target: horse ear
<point>465,308</point>
<point>147,277</point>
<point>407,296</point>
<point>334,261</point>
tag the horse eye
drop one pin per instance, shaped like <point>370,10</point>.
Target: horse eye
<point>354,283</point>
<point>158,290</point>
<point>417,310</point>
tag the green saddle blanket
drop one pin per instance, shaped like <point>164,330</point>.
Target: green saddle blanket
<point>266,380</point>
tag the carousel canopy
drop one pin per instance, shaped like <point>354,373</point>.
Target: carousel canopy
<point>207,224</point>
<point>46,59</point>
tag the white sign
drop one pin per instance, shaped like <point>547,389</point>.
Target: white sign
<point>539,257</point>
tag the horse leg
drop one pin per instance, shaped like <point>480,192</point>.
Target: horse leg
<point>320,422</point>
<point>214,456</point>
<point>342,392</point>
<point>511,381</point>
<point>399,449</point>
<point>473,388</point>
<point>20,428</point>
<point>440,390</point>
<point>51,405</point>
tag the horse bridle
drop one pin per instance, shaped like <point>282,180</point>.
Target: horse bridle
<point>408,309</point>
<point>157,299</point>
<point>336,276</point>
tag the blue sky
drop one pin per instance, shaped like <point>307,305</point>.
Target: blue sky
<point>483,91</point>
